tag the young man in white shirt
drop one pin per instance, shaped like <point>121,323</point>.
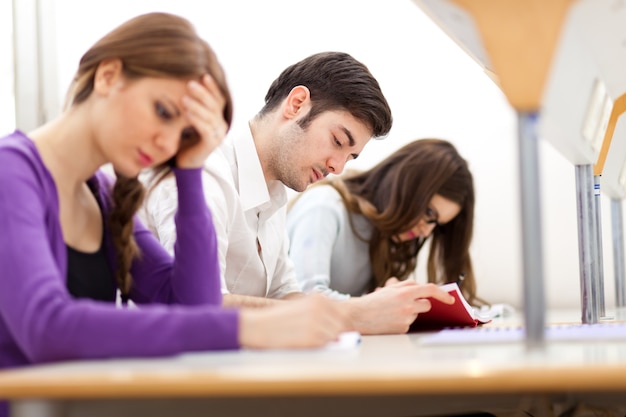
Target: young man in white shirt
<point>318,114</point>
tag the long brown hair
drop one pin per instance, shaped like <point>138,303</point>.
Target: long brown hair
<point>395,194</point>
<point>150,45</point>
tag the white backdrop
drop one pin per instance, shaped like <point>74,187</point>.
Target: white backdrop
<point>433,87</point>
<point>7,98</point>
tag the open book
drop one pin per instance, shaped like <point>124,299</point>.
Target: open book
<point>441,316</point>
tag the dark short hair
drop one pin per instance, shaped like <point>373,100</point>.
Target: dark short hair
<point>336,81</point>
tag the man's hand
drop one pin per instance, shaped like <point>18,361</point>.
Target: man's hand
<point>392,308</point>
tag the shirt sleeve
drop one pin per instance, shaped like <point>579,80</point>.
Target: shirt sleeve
<point>284,281</point>
<point>312,225</point>
<point>40,317</point>
<point>192,276</point>
<point>159,212</point>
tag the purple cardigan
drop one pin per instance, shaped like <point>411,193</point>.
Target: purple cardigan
<point>41,322</point>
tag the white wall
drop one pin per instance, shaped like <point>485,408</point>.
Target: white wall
<point>433,87</point>
<point>7,99</point>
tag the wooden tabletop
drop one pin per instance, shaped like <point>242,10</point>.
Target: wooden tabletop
<point>414,364</point>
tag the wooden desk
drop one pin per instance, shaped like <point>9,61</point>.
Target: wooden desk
<point>402,375</point>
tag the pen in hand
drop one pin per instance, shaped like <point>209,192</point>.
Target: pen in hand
<point>459,281</point>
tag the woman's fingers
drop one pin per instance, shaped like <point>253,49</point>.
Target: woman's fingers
<point>204,107</point>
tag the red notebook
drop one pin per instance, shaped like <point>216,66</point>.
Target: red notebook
<point>441,316</point>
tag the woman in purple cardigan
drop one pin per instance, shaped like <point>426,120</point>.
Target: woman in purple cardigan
<point>150,94</point>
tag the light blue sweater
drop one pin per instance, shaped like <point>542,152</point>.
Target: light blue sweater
<point>328,256</point>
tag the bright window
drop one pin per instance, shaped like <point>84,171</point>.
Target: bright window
<point>7,96</point>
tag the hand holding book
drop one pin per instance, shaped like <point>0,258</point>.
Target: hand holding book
<point>440,316</point>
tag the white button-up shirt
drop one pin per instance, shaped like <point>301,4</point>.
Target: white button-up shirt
<point>249,215</point>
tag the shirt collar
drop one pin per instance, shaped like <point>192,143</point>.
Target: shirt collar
<point>254,191</point>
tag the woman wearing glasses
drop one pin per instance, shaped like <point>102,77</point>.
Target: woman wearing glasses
<point>353,233</point>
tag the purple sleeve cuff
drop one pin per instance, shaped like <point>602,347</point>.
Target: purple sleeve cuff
<point>189,183</point>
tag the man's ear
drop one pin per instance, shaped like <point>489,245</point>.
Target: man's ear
<point>108,73</point>
<point>297,102</point>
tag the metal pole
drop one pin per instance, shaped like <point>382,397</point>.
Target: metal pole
<point>617,227</point>
<point>584,203</point>
<point>532,242</point>
<point>596,248</point>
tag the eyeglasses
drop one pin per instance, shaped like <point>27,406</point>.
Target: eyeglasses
<point>431,217</point>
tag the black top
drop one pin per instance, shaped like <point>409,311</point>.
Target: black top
<point>89,275</point>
